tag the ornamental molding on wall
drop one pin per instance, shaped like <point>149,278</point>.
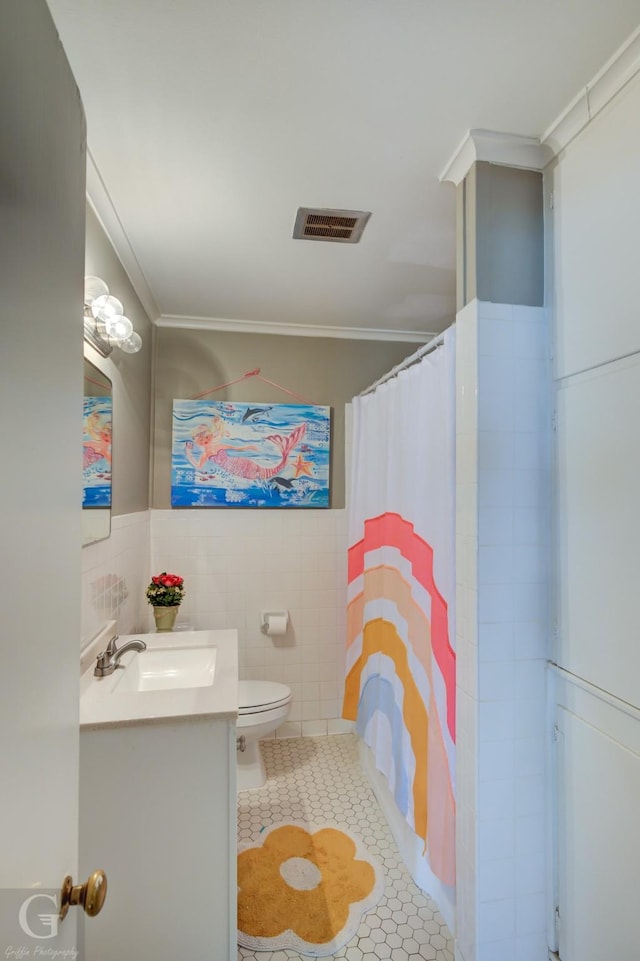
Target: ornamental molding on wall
<point>617,72</point>
<point>293,330</point>
<point>492,146</point>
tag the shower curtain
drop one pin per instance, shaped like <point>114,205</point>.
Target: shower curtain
<point>400,664</point>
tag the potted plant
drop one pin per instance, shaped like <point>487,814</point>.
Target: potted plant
<point>165,593</point>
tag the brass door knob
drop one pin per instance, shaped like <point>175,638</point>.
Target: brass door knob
<point>90,895</point>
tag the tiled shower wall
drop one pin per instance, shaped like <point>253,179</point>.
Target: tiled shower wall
<point>502,557</point>
<point>237,563</point>
<point>114,576</point>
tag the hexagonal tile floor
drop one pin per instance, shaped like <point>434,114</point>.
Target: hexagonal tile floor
<point>319,779</point>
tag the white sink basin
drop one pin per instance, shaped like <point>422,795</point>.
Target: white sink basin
<point>167,669</point>
<point>181,674</point>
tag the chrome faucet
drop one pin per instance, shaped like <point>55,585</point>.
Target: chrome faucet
<point>109,659</point>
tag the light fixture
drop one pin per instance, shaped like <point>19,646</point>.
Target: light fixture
<point>105,325</point>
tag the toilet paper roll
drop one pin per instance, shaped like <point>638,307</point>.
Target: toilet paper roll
<point>276,624</point>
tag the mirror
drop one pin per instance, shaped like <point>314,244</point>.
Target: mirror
<point>97,423</point>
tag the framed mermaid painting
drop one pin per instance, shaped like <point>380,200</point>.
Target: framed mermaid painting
<point>228,454</point>
<point>96,447</point>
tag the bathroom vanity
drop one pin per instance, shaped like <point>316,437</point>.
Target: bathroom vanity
<point>158,797</point>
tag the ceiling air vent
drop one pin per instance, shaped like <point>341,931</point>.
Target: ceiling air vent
<point>336,226</point>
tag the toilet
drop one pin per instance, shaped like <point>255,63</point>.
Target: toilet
<point>262,707</point>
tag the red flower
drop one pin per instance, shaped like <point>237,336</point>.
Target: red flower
<point>170,580</point>
<point>165,590</point>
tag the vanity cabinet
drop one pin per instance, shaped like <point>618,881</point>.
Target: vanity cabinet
<point>158,814</point>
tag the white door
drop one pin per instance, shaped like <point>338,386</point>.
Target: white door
<point>598,700</point>
<point>42,161</point>
<point>599,846</point>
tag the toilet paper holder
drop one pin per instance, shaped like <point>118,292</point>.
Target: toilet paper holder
<point>274,622</point>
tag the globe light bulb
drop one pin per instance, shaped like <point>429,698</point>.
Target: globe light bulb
<point>106,308</point>
<point>94,287</point>
<point>132,344</point>
<point>105,325</point>
<point>118,328</point>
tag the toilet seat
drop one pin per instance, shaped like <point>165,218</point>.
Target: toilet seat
<point>255,697</point>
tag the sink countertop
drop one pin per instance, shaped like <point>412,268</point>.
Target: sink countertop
<point>102,706</point>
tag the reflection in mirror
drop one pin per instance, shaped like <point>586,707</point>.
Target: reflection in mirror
<point>96,455</point>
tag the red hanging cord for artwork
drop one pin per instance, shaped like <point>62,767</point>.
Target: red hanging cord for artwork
<point>251,373</point>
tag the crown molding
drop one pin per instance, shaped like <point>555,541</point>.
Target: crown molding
<point>104,209</point>
<point>617,72</point>
<point>531,153</point>
<point>292,330</point>
<point>491,146</point>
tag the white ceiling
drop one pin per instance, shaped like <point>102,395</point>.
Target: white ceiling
<point>211,121</point>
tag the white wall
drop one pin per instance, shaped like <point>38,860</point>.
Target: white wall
<point>596,214</point>
<point>502,552</point>
<point>114,577</point>
<point>237,563</point>
<point>597,335</point>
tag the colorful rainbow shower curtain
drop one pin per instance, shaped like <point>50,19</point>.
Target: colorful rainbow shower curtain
<point>400,671</point>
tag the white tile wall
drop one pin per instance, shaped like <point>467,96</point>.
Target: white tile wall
<point>114,578</point>
<point>467,720</point>
<point>237,563</point>
<point>502,590</point>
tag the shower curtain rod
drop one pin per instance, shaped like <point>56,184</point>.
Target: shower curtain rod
<point>427,348</point>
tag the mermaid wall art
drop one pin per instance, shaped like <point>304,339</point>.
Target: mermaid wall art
<point>96,452</point>
<point>228,454</point>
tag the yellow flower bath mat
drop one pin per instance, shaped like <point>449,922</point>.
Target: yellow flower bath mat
<point>304,888</point>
